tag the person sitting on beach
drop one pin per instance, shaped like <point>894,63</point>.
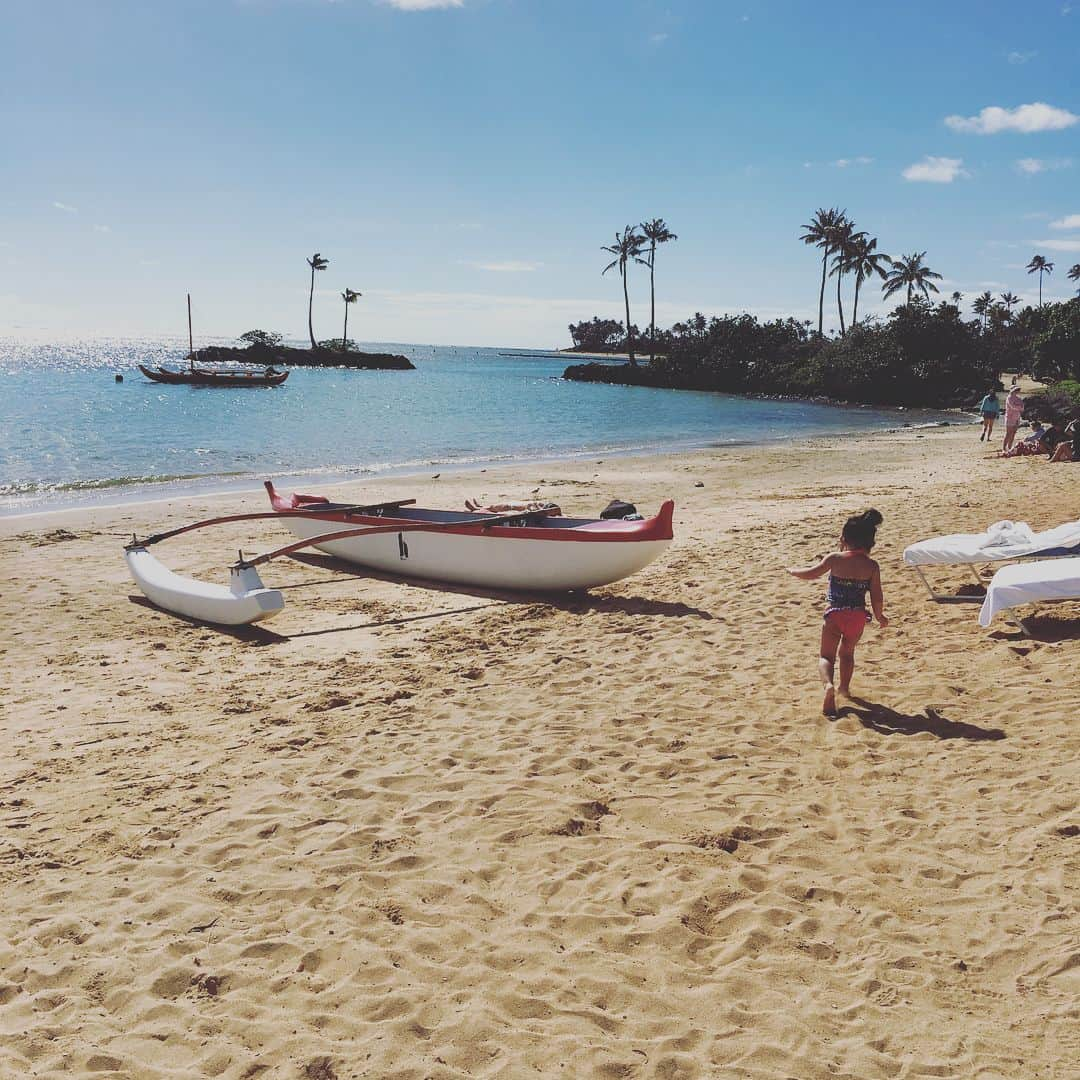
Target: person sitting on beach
<point>1050,439</point>
<point>1069,447</point>
<point>1014,409</point>
<point>1030,444</point>
<point>852,574</point>
<point>989,408</point>
<point>509,507</point>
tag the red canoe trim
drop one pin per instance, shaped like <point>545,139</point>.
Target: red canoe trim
<point>654,528</point>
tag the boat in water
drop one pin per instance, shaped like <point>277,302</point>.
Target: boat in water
<point>196,376</point>
<point>527,550</point>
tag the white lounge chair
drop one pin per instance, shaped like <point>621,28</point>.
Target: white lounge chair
<point>1029,583</point>
<point>1003,541</point>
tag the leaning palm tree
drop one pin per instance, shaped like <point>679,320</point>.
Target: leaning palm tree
<point>350,297</point>
<point>981,306</point>
<point>626,249</point>
<point>1009,299</point>
<point>1040,266</point>
<point>822,232</point>
<point>316,262</point>
<point>656,232</point>
<point>908,271</point>
<point>864,261</point>
<point>1074,275</point>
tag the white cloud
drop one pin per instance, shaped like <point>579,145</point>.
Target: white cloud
<point>510,266</point>
<point>1069,221</point>
<point>1022,57</point>
<point>658,39</point>
<point>1038,116</point>
<point>1033,166</point>
<point>67,209</point>
<point>1066,243</point>
<point>102,228</point>
<point>423,5</point>
<point>844,163</point>
<point>935,170</point>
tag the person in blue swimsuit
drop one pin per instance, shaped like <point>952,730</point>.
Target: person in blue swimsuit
<point>852,575</point>
<point>990,408</point>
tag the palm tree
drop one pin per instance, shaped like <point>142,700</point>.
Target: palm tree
<point>316,262</point>
<point>1074,275</point>
<point>626,249</point>
<point>350,297</point>
<point>822,232</point>
<point>1009,299</point>
<point>981,305</point>
<point>957,296</point>
<point>909,271</point>
<point>864,261</point>
<point>1040,266</point>
<point>656,232</point>
<point>845,238</point>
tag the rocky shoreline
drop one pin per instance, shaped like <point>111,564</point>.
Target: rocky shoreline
<point>287,356</point>
<point>644,375</point>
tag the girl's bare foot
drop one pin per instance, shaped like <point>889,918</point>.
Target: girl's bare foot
<point>828,706</point>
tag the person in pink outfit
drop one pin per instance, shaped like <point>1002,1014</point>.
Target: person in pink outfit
<point>1014,409</point>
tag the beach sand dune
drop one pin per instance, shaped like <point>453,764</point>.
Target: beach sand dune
<point>405,831</point>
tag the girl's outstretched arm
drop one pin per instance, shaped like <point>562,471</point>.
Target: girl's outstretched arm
<point>877,598</point>
<point>808,573</point>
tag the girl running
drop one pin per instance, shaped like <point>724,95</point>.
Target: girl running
<point>852,574</point>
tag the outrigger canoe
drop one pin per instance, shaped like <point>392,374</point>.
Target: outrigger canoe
<point>195,376</point>
<point>535,551</point>
<point>532,550</point>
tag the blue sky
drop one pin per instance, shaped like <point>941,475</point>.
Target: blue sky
<point>461,164</point>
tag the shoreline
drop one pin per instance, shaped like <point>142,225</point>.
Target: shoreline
<point>211,486</point>
<point>605,828</point>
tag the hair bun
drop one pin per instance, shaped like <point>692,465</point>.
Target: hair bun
<point>873,517</point>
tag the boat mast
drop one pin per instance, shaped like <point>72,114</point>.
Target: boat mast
<point>191,341</point>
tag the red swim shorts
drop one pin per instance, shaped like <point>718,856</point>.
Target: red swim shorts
<point>848,622</point>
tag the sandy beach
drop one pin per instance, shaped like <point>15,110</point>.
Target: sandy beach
<point>407,831</point>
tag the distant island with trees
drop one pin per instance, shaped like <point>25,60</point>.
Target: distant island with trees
<point>923,354</point>
<point>265,347</point>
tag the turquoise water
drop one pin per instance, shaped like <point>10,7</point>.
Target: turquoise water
<point>71,435</point>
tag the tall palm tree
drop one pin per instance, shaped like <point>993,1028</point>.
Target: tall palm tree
<point>909,271</point>
<point>846,239</point>
<point>864,261</point>
<point>350,297</point>
<point>316,262</point>
<point>1074,275</point>
<point>957,296</point>
<point>981,306</point>
<point>1040,266</point>
<point>1009,299</point>
<point>822,232</point>
<point>626,249</point>
<point>656,232</point>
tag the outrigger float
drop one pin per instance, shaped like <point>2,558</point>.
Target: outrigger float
<point>524,550</point>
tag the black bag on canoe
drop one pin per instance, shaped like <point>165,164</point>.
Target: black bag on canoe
<point>618,509</point>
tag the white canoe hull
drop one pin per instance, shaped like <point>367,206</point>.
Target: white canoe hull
<point>486,561</point>
<point>245,600</point>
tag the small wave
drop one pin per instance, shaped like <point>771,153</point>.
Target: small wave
<point>38,487</point>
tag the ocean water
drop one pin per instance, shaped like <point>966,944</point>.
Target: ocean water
<point>70,435</point>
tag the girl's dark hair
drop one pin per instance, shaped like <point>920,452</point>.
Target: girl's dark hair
<point>860,530</point>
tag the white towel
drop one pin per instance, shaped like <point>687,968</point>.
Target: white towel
<point>1028,583</point>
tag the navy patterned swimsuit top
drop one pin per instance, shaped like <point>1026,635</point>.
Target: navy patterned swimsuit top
<point>847,594</point>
